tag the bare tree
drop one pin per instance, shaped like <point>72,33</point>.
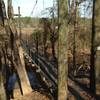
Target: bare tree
<point>62,50</point>
<point>92,60</point>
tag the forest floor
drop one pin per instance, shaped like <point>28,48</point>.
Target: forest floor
<point>34,95</point>
<point>78,90</point>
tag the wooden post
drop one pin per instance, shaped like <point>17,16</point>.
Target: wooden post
<point>19,22</point>
<point>1,15</point>
<point>63,48</point>
<point>10,9</point>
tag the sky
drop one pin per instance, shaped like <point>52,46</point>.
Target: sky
<point>84,10</point>
<point>26,6</point>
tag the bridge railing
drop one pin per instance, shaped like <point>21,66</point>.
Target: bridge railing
<point>46,68</point>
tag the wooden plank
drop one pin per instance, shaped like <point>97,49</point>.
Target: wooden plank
<point>22,74</point>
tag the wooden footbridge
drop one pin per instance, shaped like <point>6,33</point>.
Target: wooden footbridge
<point>14,54</point>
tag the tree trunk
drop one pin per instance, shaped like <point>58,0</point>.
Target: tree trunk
<point>37,43</point>
<point>53,49</point>
<point>45,34</point>
<point>97,24</point>
<point>92,60</point>
<point>62,52</point>
<point>2,89</point>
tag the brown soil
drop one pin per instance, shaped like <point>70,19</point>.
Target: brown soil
<point>35,95</point>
